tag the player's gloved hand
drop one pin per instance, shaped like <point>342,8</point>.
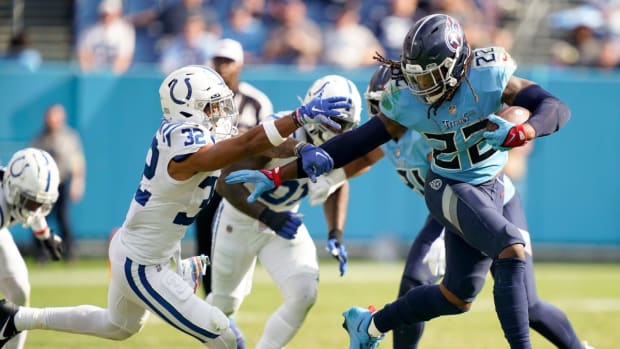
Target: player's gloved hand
<point>315,161</point>
<point>436,257</point>
<point>284,223</point>
<point>320,110</point>
<point>53,244</point>
<point>192,270</point>
<point>263,180</point>
<point>336,248</point>
<point>507,135</point>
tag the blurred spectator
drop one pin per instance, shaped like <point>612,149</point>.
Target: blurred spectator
<point>65,146</point>
<point>609,58</point>
<point>173,17</point>
<point>296,39</point>
<point>20,52</point>
<point>392,27</point>
<point>253,106</point>
<point>193,46</point>
<point>109,43</point>
<point>586,28</point>
<point>347,43</point>
<point>250,31</point>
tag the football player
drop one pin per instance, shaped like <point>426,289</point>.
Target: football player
<point>425,263</point>
<point>247,232</point>
<point>448,93</point>
<point>183,162</point>
<point>28,191</point>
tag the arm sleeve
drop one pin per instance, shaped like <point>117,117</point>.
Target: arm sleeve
<point>357,142</point>
<point>549,114</point>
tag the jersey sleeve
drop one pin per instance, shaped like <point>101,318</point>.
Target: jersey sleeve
<point>184,139</point>
<point>496,67</point>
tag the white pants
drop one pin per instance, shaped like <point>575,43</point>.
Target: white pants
<point>14,283</point>
<point>292,264</point>
<point>136,288</point>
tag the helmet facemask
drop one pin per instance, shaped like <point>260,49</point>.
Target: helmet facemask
<point>221,117</point>
<point>430,84</point>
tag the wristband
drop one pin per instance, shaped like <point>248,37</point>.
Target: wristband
<point>297,118</point>
<point>272,133</point>
<point>298,148</point>
<point>335,234</point>
<point>274,175</point>
<point>42,234</point>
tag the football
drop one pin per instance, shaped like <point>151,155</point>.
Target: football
<point>514,114</point>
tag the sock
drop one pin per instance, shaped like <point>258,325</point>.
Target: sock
<point>511,301</point>
<point>28,318</point>
<point>372,329</point>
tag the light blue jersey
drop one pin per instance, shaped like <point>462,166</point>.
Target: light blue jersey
<point>410,157</point>
<point>454,130</point>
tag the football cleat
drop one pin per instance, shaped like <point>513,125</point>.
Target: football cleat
<point>7,323</point>
<point>192,270</point>
<point>356,322</point>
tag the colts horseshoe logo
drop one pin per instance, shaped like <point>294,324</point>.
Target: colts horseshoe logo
<point>173,84</point>
<point>18,166</point>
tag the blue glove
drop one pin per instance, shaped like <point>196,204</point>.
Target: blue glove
<point>319,110</point>
<point>507,135</point>
<point>284,223</point>
<point>315,161</point>
<point>263,180</point>
<point>336,248</point>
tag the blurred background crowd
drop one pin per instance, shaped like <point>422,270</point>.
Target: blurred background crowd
<point>120,35</point>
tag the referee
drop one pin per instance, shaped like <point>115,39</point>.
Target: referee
<point>253,106</point>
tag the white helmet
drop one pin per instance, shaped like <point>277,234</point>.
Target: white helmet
<point>330,86</point>
<point>198,94</point>
<point>30,184</point>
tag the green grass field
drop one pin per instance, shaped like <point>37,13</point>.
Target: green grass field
<point>588,293</point>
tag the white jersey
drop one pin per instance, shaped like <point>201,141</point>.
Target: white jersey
<point>162,207</point>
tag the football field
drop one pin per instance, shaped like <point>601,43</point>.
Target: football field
<point>588,293</point>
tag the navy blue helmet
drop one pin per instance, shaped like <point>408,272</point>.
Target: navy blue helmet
<point>376,86</point>
<point>434,57</point>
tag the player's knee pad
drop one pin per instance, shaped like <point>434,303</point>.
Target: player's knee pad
<point>16,290</point>
<point>301,291</point>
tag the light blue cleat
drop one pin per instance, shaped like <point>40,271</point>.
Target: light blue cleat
<point>356,322</point>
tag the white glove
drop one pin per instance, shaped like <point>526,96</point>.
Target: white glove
<point>436,257</point>
<point>325,185</point>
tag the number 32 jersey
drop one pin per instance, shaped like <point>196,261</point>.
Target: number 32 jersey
<point>454,130</point>
<point>163,207</point>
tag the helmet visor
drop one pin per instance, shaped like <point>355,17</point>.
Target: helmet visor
<point>222,117</point>
<point>430,82</point>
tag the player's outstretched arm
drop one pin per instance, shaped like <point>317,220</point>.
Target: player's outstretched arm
<point>260,138</point>
<point>284,224</point>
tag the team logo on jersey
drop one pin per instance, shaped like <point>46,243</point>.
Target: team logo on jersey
<point>435,184</point>
<point>453,35</point>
